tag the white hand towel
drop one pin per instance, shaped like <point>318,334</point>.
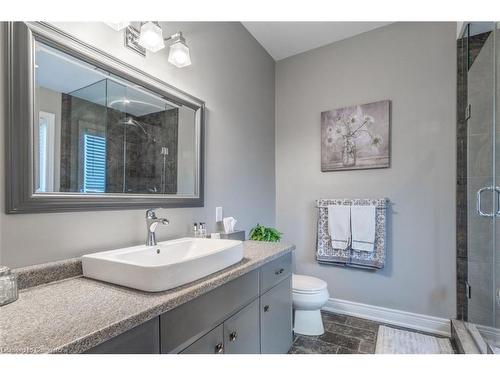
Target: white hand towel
<point>339,226</point>
<point>363,228</point>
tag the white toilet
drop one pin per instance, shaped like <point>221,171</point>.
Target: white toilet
<point>309,296</point>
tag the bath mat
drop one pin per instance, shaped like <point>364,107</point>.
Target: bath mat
<point>396,341</point>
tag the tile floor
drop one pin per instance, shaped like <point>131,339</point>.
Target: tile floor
<point>343,335</point>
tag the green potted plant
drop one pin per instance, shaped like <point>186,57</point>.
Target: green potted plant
<point>262,233</point>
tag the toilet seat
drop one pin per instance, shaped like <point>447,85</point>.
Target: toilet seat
<point>302,284</point>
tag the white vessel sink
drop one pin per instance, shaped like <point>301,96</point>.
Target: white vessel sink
<point>164,266</point>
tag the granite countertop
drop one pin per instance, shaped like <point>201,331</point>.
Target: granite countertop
<point>75,314</point>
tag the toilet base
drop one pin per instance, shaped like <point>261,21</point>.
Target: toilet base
<point>308,322</point>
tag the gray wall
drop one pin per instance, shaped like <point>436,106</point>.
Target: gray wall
<point>237,84</point>
<point>413,65</point>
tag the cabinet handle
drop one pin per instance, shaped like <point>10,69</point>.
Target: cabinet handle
<point>280,271</point>
<point>266,308</point>
<point>219,349</point>
<point>233,335</point>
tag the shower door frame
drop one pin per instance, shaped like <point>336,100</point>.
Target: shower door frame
<point>464,113</point>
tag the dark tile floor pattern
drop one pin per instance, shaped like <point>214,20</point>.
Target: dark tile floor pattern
<point>343,335</point>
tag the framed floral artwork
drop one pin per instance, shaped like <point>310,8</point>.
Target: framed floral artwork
<point>356,137</point>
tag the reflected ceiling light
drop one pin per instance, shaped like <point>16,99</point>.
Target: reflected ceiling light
<point>179,51</point>
<point>151,36</point>
<point>118,25</point>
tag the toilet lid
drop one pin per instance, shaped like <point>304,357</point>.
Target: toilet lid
<point>307,284</point>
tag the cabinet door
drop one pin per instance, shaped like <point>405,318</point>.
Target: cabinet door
<point>276,318</point>
<point>211,343</point>
<point>241,331</point>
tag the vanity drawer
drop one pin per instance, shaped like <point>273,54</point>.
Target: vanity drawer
<point>274,272</point>
<point>211,343</point>
<point>190,321</point>
<point>143,339</point>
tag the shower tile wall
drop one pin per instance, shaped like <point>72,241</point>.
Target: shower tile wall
<point>144,159</point>
<point>134,160</point>
<point>115,162</point>
<point>461,179</point>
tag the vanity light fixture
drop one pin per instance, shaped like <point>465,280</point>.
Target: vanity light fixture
<point>149,37</point>
<point>178,54</point>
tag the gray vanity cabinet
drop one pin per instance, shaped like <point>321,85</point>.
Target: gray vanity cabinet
<point>276,319</point>
<point>241,331</point>
<point>187,323</point>
<point>254,310</point>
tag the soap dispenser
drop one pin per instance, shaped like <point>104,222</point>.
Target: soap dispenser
<point>8,286</point>
<point>203,230</point>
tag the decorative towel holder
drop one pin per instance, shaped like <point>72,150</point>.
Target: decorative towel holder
<point>326,254</point>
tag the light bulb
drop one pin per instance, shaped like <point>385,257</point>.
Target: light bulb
<point>179,57</point>
<point>151,37</point>
<point>179,54</point>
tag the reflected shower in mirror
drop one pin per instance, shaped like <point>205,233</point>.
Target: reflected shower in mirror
<point>97,133</point>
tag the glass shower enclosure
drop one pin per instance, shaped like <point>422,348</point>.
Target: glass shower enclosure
<point>480,175</point>
<point>118,139</point>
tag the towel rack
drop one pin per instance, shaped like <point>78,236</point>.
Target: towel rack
<point>326,254</point>
<point>380,203</point>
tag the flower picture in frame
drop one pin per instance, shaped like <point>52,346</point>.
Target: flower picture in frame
<point>356,137</point>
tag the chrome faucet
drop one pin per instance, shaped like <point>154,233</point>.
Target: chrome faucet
<point>151,223</point>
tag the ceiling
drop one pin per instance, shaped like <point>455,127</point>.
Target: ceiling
<point>284,39</point>
<point>62,73</point>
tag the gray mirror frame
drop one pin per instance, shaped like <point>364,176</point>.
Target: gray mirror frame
<point>20,197</point>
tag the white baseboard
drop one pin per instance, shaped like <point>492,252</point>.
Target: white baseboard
<point>425,323</point>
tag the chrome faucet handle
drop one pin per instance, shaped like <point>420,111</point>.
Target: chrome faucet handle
<point>151,214</point>
<point>154,223</point>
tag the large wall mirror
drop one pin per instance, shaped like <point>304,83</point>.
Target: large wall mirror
<point>87,131</point>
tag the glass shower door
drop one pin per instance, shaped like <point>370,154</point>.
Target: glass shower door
<point>483,171</point>
<point>494,337</point>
